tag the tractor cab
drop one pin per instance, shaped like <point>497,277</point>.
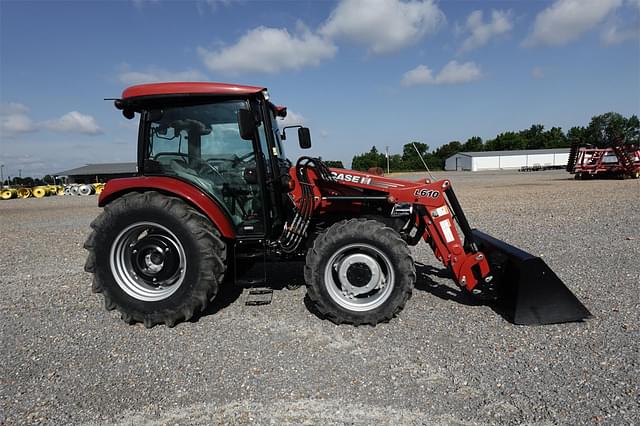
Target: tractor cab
<point>223,139</point>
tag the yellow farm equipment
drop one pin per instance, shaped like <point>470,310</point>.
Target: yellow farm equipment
<point>40,191</point>
<point>8,194</point>
<point>24,192</point>
<point>98,187</point>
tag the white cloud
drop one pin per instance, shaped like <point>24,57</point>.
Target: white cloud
<point>566,20</point>
<point>421,74</point>
<point>452,73</point>
<point>383,25</point>
<point>74,122</point>
<point>537,73</point>
<point>456,73</point>
<point>481,32</point>
<point>154,74</point>
<point>14,119</point>
<point>270,50</point>
<point>13,108</point>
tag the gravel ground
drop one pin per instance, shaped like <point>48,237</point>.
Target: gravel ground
<point>442,361</point>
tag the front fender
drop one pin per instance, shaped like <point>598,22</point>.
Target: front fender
<point>117,187</point>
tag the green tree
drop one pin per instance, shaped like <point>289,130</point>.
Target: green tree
<point>555,138</point>
<point>333,163</point>
<point>605,129</point>
<point>410,158</point>
<point>506,141</point>
<point>632,130</point>
<point>473,144</point>
<point>396,163</point>
<point>533,136</point>
<point>443,152</point>
<point>370,159</point>
<point>576,134</point>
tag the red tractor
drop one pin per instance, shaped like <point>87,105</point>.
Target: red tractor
<point>214,190</point>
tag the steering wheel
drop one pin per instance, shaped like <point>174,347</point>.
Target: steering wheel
<point>175,154</point>
<point>235,160</point>
<point>244,157</point>
<point>207,168</point>
<point>202,167</point>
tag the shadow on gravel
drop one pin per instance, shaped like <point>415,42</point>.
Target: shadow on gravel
<point>227,295</point>
<point>424,282</point>
<point>279,276</point>
<point>283,276</point>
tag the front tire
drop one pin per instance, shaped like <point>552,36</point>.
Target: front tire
<point>155,258</point>
<point>359,271</point>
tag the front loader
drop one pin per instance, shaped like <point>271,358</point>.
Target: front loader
<point>215,192</point>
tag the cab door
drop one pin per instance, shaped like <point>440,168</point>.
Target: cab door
<point>201,143</point>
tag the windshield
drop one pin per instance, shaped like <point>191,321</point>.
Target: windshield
<point>210,130</point>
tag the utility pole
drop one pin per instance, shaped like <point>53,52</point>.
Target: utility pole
<point>1,175</point>
<point>387,150</point>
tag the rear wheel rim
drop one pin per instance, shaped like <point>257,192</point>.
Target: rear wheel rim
<point>359,277</point>
<point>148,261</point>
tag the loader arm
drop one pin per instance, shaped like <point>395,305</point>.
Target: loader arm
<point>519,284</point>
<point>435,208</point>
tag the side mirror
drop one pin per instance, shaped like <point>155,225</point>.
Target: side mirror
<point>246,124</point>
<point>304,137</point>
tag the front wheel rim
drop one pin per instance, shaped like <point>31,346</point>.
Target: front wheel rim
<point>148,261</point>
<point>359,277</point>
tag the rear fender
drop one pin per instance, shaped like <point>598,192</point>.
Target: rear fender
<point>118,187</point>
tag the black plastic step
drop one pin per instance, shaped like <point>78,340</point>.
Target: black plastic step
<point>258,296</point>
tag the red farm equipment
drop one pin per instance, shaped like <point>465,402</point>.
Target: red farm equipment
<point>619,160</point>
<point>215,191</point>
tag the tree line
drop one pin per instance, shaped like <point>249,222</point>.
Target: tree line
<point>602,131</point>
<point>29,181</point>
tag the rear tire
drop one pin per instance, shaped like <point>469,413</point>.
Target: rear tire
<point>359,271</point>
<point>155,258</point>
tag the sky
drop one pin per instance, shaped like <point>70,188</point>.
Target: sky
<point>359,73</point>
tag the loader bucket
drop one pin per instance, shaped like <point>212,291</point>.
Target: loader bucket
<point>528,291</point>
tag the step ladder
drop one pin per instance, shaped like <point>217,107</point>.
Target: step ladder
<point>254,281</point>
<point>257,296</point>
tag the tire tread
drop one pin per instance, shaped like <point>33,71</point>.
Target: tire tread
<point>350,230</point>
<point>212,248</point>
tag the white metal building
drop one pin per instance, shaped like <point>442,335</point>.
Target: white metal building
<point>500,160</point>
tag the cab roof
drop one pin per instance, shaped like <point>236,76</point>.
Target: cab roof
<point>189,88</point>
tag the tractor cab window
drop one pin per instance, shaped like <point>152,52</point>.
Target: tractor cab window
<point>202,144</point>
<point>276,134</point>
